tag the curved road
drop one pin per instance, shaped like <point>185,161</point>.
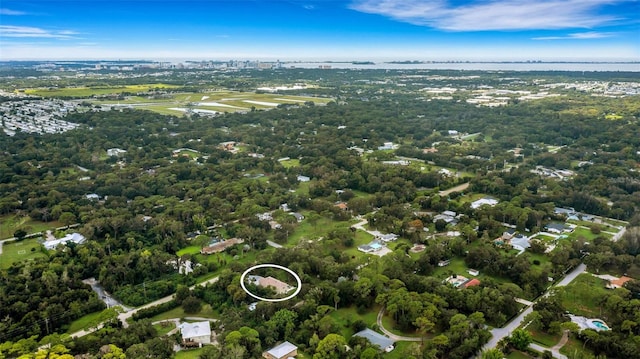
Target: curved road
<point>396,338</point>
<point>126,315</point>
<point>498,333</point>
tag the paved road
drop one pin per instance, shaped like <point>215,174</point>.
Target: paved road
<point>274,244</point>
<point>498,333</point>
<point>126,315</point>
<point>397,338</point>
<point>102,294</point>
<point>5,240</point>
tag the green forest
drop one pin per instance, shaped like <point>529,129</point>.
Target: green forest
<point>382,151</point>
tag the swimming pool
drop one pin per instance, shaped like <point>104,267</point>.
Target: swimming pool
<point>600,325</point>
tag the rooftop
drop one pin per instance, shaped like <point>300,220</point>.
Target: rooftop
<point>375,338</point>
<point>281,350</point>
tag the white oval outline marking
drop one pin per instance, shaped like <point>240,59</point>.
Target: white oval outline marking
<point>267,265</point>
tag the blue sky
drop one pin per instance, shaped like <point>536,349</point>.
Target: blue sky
<point>568,30</point>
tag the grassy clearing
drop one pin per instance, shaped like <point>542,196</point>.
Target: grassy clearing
<point>189,354</point>
<point>345,317</point>
<point>294,162</point>
<point>221,101</point>
<point>311,229</point>
<point>9,224</point>
<point>457,266</point>
<point>164,327</point>
<point>544,238</point>
<point>586,233</point>
<point>24,250</point>
<point>516,354</point>
<point>400,350</point>
<point>389,324</point>
<point>361,238</point>
<point>90,91</point>
<point>206,312</point>
<point>84,322</point>
<point>584,295</point>
<point>542,338</point>
<point>189,250</point>
<point>575,348</point>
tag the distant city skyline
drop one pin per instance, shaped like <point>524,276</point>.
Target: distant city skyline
<point>376,30</point>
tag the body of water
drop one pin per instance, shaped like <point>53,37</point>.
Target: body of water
<point>481,66</point>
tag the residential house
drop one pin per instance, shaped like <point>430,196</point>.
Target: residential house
<point>486,201</point>
<point>444,263</point>
<point>387,146</point>
<point>76,238</point>
<point>387,237</point>
<point>221,246</point>
<point>472,283</point>
<point>299,216</point>
<point>618,283</point>
<point>282,351</point>
<point>115,152</point>
<point>266,216</point>
<point>558,228</point>
<point>277,285</point>
<point>473,272</point>
<point>460,282</point>
<point>371,247</point>
<point>302,178</point>
<point>383,342</point>
<point>342,205</point>
<point>198,332</point>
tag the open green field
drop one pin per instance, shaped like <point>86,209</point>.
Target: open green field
<point>218,101</point>
<point>294,162</point>
<point>584,295</point>
<point>543,238</point>
<point>314,227</point>
<point>189,250</point>
<point>84,322</point>
<point>542,338</point>
<point>206,312</point>
<point>516,354</point>
<point>193,154</point>
<point>90,91</point>
<point>345,317</point>
<point>189,354</point>
<point>20,251</point>
<point>586,233</point>
<point>9,224</point>
<point>399,351</point>
<point>164,327</point>
<point>457,266</point>
<point>574,348</point>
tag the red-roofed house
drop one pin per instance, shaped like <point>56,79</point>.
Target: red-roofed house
<point>618,283</point>
<point>471,283</point>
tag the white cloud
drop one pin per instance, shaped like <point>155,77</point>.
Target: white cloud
<point>9,12</point>
<point>492,14</point>
<point>578,36</point>
<point>35,32</point>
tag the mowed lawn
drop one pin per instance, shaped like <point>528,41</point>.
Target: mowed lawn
<point>9,224</point>
<point>584,295</point>
<point>219,101</point>
<point>24,250</point>
<point>89,91</point>
<point>178,312</point>
<point>346,317</point>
